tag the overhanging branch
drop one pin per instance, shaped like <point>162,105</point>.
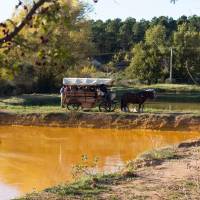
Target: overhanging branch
<point>28,17</point>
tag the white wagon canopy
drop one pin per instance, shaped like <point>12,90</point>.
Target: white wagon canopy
<point>87,81</point>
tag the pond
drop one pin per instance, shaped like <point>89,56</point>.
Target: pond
<point>173,107</point>
<point>33,158</point>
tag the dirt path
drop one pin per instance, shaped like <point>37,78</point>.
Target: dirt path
<point>173,179</point>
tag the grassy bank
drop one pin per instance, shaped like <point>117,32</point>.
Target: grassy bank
<point>171,88</point>
<point>168,173</point>
<point>46,103</point>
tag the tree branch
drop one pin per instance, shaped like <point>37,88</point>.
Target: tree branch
<point>188,71</point>
<point>28,17</point>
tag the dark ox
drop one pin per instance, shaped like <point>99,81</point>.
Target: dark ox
<point>136,98</point>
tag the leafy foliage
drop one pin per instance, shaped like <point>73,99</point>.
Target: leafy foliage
<point>51,46</point>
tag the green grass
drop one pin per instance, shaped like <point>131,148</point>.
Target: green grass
<point>152,158</point>
<point>162,154</point>
<point>31,109</point>
<point>85,188</point>
<point>82,188</point>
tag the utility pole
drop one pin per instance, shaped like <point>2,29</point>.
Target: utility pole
<point>171,66</point>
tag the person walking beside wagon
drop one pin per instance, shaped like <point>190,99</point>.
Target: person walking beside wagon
<point>62,92</point>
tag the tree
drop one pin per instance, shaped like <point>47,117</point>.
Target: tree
<point>126,35</point>
<point>31,10</point>
<point>169,24</point>
<point>139,29</point>
<point>9,35</point>
<point>53,45</point>
<point>186,43</point>
<point>112,32</point>
<point>147,63</point>
<point>156,36</point>
<point>173,1</point>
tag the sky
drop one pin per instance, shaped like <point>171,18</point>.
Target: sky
<point>138,9</point>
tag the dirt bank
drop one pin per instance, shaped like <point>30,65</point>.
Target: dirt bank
<point>172,121</point>
<point>170,173</point>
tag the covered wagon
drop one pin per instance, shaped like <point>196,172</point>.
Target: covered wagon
<point>87,93</point>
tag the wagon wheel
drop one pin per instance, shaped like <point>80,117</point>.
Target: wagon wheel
<point>113,106</point>
<point>102,107</point>
<point>73,106</point>
<point>107,106</point>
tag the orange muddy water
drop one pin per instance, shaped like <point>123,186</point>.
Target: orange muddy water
<point>33,158</point>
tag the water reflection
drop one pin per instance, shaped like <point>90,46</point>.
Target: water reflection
<point>173,106</point>
<point>36,158</point>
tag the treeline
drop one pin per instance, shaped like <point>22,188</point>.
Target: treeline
<point>115,35</point>
<point>144,47</point>
<point>60,42</point>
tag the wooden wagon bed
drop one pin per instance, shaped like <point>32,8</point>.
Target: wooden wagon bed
<point>82,98</point>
